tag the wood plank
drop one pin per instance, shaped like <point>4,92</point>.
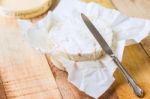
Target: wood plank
<point>137,63</point>
<point>69,91</point>
<point>2,90</point>
<point>136,8</point>
<point>106,3</point>
<point>135,60</point>
<point>146,45</point>
<point>25,73</point>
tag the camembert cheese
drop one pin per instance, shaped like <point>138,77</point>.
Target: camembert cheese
<point>24,8</point>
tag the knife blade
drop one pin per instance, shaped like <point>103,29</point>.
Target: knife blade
<point>105,47</point>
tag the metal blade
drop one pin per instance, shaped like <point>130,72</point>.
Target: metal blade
<point>97,35</point>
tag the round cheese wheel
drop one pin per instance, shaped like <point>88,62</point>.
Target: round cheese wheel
<point>73,40</point>
<point>56,63</point>
<point>24,8</point>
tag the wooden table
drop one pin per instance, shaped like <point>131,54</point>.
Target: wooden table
<point>27,74</point>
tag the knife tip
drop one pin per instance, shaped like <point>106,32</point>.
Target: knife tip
<point>82,15</point>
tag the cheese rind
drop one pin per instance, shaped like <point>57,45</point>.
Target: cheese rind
<point>69,38</point>
<point>73,40</point>
<point>24,8</point>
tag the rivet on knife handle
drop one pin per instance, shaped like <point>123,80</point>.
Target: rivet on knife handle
<point>137,90</point>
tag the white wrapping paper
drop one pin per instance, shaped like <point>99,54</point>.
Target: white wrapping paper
<point>91,77</point>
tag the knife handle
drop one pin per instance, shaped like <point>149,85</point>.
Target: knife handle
<point>137,90</point>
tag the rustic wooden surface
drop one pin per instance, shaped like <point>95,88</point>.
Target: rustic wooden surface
<point>68,91</point>
<point>2,90</point>
<point>137,62</point>
<point>27,74</point>
<point>136,8</point>
<point>146,45</point>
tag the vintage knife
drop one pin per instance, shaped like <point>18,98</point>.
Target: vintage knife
<point>137,90</point>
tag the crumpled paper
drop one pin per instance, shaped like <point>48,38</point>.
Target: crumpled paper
<point>96,76</point>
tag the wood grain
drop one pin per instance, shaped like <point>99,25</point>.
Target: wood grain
<point>135,60</point>
<point>2,90</point>
<point>137,63</point>
<point>136,8</point>
<point>106,3</point>
<point>69,91</point>
<point>146,45</point>
<point>25,73</point>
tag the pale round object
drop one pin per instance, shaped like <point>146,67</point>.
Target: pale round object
<point>24,8</point>
<point>74,41</point>
<point>54,62</point>
<point>57,64</point>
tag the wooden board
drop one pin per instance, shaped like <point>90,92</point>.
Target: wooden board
<point>136,8</point>
<point>25,73</point>
<point>146,45</point>
<point>2,90</point>
<point>137,63</point>
<point>68,91</point>
<point>106,3</point>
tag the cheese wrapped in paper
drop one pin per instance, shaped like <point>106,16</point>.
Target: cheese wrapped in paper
<point>73,40</point>
<point>63,35</point>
